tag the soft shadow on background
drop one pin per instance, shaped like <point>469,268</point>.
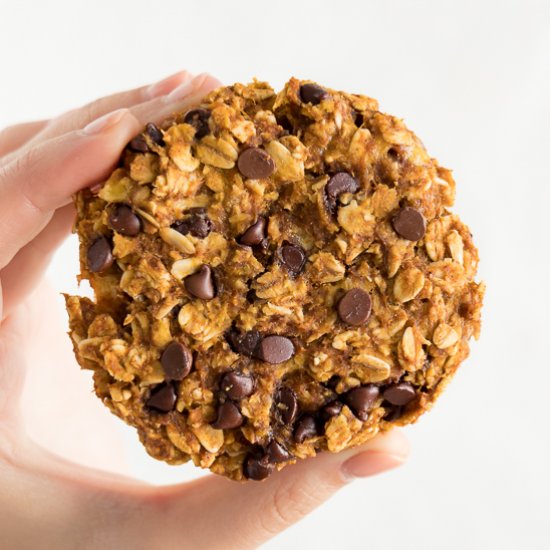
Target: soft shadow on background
<point>472,79</point>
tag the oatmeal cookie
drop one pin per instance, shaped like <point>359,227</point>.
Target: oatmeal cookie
<point>275,275</point>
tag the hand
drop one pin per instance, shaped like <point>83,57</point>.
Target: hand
<point>47,501</point>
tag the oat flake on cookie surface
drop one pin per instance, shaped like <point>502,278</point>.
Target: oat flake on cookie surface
<point>275,275</point>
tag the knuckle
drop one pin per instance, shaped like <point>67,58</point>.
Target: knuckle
<point>27,162</point>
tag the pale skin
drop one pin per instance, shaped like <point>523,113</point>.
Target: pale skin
<point>46,500</point>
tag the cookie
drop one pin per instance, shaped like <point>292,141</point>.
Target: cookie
<point>275,275</point>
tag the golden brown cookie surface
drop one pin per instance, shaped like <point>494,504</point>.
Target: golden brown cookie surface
<point>275,274</point>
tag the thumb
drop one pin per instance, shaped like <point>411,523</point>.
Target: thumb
<point>218,513</point>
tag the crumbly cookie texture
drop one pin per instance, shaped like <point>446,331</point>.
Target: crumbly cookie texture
<point>275,275</point>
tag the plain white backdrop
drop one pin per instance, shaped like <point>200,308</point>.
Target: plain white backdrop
<point>472,79</point>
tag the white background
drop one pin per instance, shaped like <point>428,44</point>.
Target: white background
<point>472,79</point>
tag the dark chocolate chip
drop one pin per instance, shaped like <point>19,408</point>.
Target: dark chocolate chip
<point>306,428</point>
<point>255,163</point>
<point>332,409</point>
<point>276,452</point>
<point>201,284</point>
<point>312,93</point>
<point>399,394</point>
<point>255,234</point>
<point>286,405</point>
<point>393,412</point>
<point>198,118</point>
<point>361,400</point>
<point>275,349</point>
<point>257,468</point>
<point>154,133</point>
<point>332,382</point>
<point>244,343</point>
<point>176,360</point>
<point>293,257</point>
<point>197,224</point>
<point>229,416</point>
<point>99,255</point>
<point>354,308</point>
<point>342,182</point>
<point>139,145</point>
<point>123,220</point>
<point>163,398</point>
<point>409,223</point>
<point>237,385</point>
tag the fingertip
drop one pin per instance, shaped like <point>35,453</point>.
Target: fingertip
<point>166,85</point>
<point>199,85</point>
<point>105,122</point>
<point>369,463</point>
<point>385,452</point>
<point>207,83</point>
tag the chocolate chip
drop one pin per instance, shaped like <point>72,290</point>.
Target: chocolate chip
<point>293,257</point>
<point>276,452</point>
<point>360,400</point>
<point>198,118</point>
<point>176,360</point>
<point>332,382</point>
<point>286,405</point>
<point>197,224</point>
<point>312,93</point>
<point>354,308</point>
<point>123,220</point>
<point>229,417</point>
<point>399,394</point>
<point>244,343</point>
<point>257,468</point>
<point>393,412</point>
<point>340,183</point>
<point>163,398</point>
<point>99,255</point>
<point>305,428</point>
<point>332,409</point>
<point>139,145</point>
<point>255,234</point>
<point>201,284</point>
<point>154,133</point>
<point>275,349</point>
<point>409,223</point>
<point>237,385</point>
<point>255,163</point>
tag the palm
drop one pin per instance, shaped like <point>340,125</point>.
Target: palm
<point>58,403</point>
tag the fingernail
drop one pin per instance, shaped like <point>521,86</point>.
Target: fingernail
<point>186,89</point>
<point>166,85</point>
<point>370,463</point>
<point>104,122</point>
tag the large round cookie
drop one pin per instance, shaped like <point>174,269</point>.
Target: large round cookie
<point>274,275</point>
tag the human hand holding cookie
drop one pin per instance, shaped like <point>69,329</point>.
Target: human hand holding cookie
<point>41,166</point>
